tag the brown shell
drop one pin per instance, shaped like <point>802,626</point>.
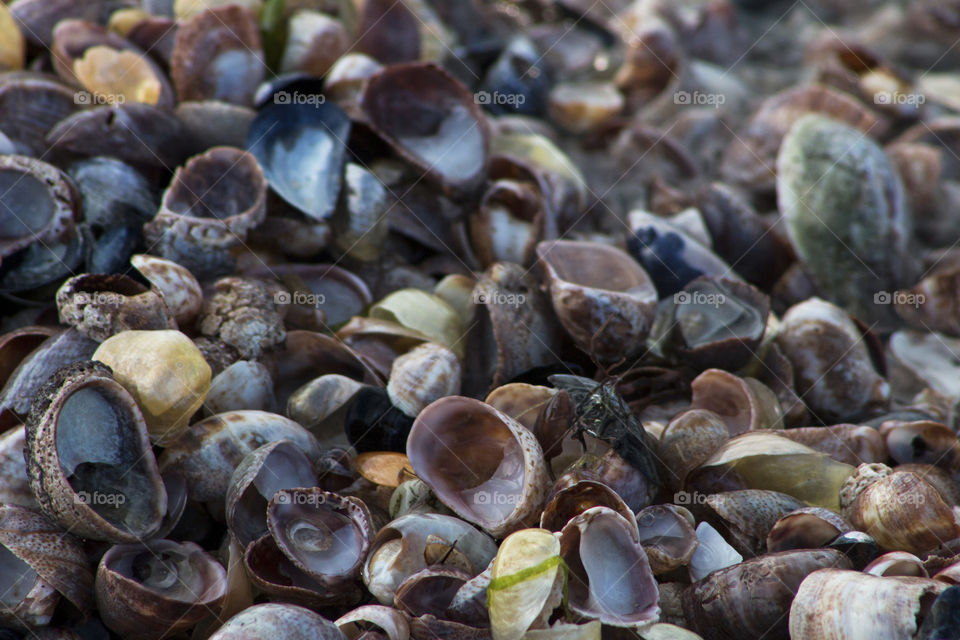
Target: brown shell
<point>745,517</point>
<point>852,444</point>
<point>101,305</point>
<point>744,404</point>
<point>806,528</point>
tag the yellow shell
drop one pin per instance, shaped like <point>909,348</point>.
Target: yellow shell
<point>12,44</point>
<point>183,9</point>
<point>522,582</point>
<point>166,374</point>
<point>121,76</point>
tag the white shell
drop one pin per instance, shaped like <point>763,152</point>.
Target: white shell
<point>176,285</point>
<point>426,373</point>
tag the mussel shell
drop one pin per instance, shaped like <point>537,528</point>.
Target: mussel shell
<point>31,104</point>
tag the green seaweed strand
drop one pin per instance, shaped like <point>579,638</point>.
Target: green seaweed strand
<point>505,582</point>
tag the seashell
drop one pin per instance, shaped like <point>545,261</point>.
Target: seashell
<point>216,124</point>
<point>430,591</point>
<point>717,323</point>
<point>611,469</point>
<point>426,373</point>
<point>16,397</point>
<point>379,342</point>
<point>244,384</point>
<point>321,404</point>
<point>922,442</point>
<point>314,42</point>
<point>346,77</point>
<point>218,55</point>
<point>834,372</point>
<point>101,306</point>
<point>152,589</point>
<point>288,139</point>
<point>14,483</point>
<point>806,528</point>
<point>942,617</point>
<point>544,159</point>
<point>887,608</point>
<point>387,31</point>
<point>38,202</point>
<point>667,535</point>
<point>412,542</point>
<point>209,451</point>
<point>391,622</point>
<point>897,563</point>
<point>517,71</point>
<point>920,360</point>
<point>601,296</point>
<point>586,545</point>
<point>848,443</point>
<point>324,535</point>
<point>242,313</point>
<point>165,373</point>
<point>360,224</point>
<point>113,192</point>
<point>497,479</point>
<point>533,407</point>
<point>384,468</point>
<point>96,477</point>
<point>31,104</point>
<point>920,166</point>
<point>746,517</point>
<point>712,553</point>
<point>176,285</point>
<point>135,132</point>
<point>431,120</point>
<point>38,18</point>
<point>574,499</point>
<point>583,107</point>
<point>688,440</point>
<point>941,480</point>
<point>422,312</point>
<point>13,51</point>
<point>763,460</point>
<point>372,423</point>
<point>750,159</point>
<point>899,509</point>
<point>856,545</point>
<point>752,599</point>
<point>40,563</point>
<point>861,216</point>
<point>262,472</point>
<point>514,332</point>
<point>280,622</point>
<point>670,256</point>
<point>744,404</point>
<point>524,583</point>
<point>216,220</point>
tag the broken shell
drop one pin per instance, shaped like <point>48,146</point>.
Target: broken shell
<point>848,443</point>
<point>209,451</point>
<point>846,214</point>
<point>576,498</point>
<point>360,224</point>
<point>746,517</point>
<point>89,458</point>
<point>921,442</point>
<point>39,562</point>
<point>603,298</point>
<point>667,535</point>
<point>744,404</point>
<point>324,535</point>
<point>279,622</point>
<point>412,542</point>
<point>522,591</point>
<point>363,619</point>
<point>244,313</point>
<point>164,371</point>
<point>597,545</point>
<point>245,384</point>
<point>430,591</point>
<point>752,599</point>
<point>806,528</point>
<point>712,553</point>
<point>496,476</point>
<point>764,460</point>
<point>521,401</point>
<point>38,203</point>
<point>175,284</point>
<point>152,589</point>
<point>431,120</point>
<point>834,372</point>
<point>100,306</point>
<point>384,468</point>
<point>218,55</point>
<point>901,510</point>
<point>120,75</point>
<point>897,563</point>
<point>321,405</point>
<point>210,205</point>
<point>887,608</point>
<point>583,107</point>
<point>688,440</point>
<point>426,373</point>
<point>264,471</point>
<point>425,313</point>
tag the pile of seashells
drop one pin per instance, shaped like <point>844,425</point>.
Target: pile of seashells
<point>467,319</point>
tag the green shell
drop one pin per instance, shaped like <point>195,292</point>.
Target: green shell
<point>846,213</point>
